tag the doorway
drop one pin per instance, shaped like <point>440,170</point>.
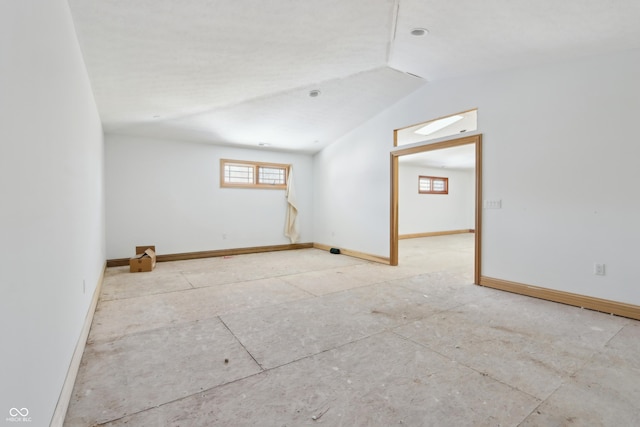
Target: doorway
<point>456,142</point>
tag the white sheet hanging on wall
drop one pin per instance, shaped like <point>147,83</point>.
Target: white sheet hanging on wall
<point>290,229</point>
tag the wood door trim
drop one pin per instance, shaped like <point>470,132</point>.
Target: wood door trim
<point>456,142</point>
<point>592,303</point>
<point>433,234</point>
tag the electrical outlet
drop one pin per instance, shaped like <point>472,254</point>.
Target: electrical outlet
<point>598,269</point>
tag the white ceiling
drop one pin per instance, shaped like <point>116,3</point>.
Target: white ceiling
<point>462,157</point>
<point>239,72</point>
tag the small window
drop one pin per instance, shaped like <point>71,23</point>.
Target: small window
<point>272,175</point>
<point>433,185</point>
<point>244,174</point>
<point>453,124</point>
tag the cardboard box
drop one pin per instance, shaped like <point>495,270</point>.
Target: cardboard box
<point>145,259</point>
<point>141,249</point>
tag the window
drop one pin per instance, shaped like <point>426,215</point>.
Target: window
<point>433,185</point>
<point>244,174</point>
<point>454,124</point>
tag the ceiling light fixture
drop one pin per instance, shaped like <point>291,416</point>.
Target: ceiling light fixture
<point>438,124</point>
<point>314,93</point>
<point>419,32</point>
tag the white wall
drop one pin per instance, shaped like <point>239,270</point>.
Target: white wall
<point>424,213</point>
<point>351,191</point>
<point>168,193</point>
<point>560,151</point>
<point>52,215</point>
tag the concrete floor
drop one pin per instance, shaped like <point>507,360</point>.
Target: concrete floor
<point>306,337</point>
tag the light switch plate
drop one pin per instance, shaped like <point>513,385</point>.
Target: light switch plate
<point>492,204</point>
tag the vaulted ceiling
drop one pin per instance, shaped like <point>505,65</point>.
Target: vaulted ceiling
<point>241,72</point>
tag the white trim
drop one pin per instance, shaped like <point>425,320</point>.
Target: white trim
<point>67,389</point>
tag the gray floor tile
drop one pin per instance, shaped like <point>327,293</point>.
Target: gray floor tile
<point>114,319</point>
<point>382,380</point>
<point>350,342</point>
<point>279,334</point>
<point>604,393</point>
<point>512,344</point>
<point>326,281</point>
<point>119,283</point>
<point>142,371</point>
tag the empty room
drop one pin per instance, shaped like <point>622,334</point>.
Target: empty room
<point>340,213</point>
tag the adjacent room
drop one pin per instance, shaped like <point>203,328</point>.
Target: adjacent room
<point>361,213</point>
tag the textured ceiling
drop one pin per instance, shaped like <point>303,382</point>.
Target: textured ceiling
<point>240,72</point>
<point>471,36</point>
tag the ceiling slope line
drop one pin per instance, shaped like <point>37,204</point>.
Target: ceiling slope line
<point>394,27</point>
<point>301,89</point>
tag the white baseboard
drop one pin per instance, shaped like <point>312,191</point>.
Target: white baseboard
<point>67,389</point>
